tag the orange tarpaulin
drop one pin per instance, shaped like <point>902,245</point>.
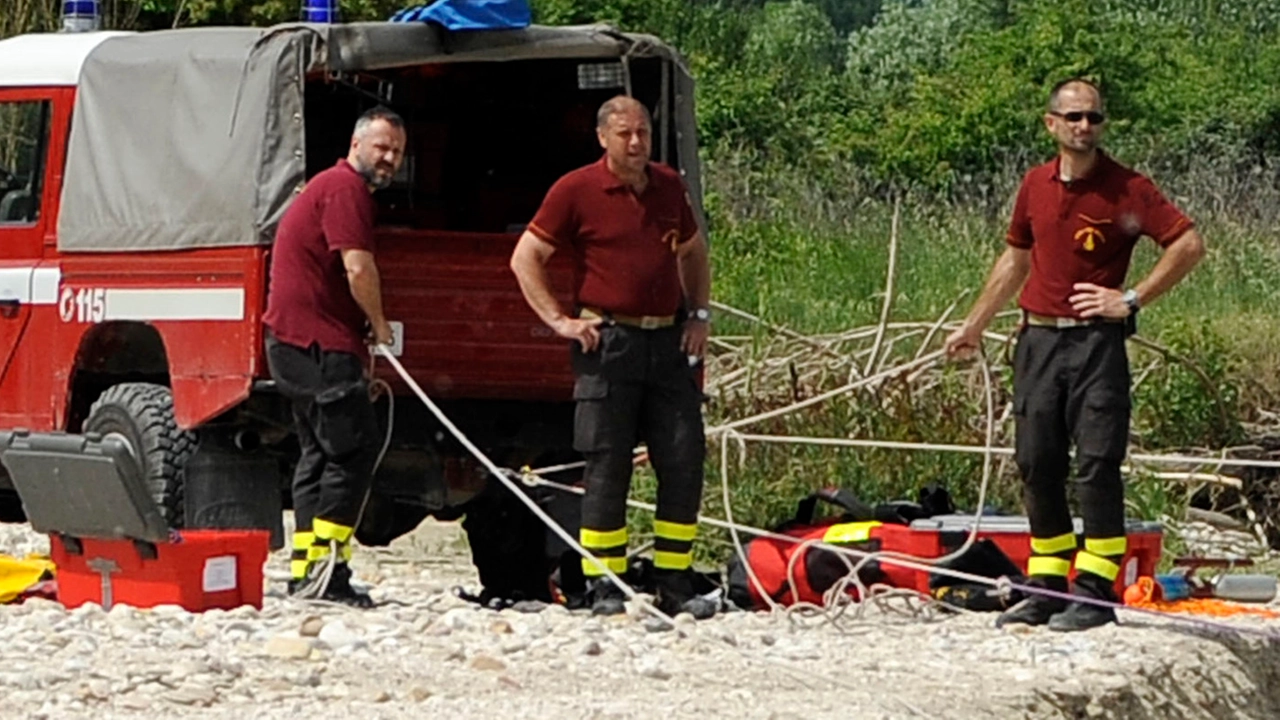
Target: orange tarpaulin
<point>1145,593</point>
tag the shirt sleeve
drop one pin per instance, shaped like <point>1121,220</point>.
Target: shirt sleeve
<point>347,218</point>
<point>688,223</point>
<point>556,221</point>
<point>1161,219</point>
<point>1019,234</point>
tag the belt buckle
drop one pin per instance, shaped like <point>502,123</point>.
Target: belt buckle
<point>649,322</point>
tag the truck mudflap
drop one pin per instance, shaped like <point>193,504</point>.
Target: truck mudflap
<point>81,486</point>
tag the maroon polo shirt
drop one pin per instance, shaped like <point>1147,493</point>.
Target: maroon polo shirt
<point>1085,230</point>
<point>623,243</point>
<point>309,300</point>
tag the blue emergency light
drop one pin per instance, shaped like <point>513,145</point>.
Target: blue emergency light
<point>80,16</point>
<point>321,11</point>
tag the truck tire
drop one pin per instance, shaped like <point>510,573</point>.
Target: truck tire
<point>142,413</point>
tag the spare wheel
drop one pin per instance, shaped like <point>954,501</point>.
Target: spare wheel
<point>142,415</point>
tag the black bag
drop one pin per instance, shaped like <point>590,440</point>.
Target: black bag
<point>985,559</point>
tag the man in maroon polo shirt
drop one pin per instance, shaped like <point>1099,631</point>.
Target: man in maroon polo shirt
<point>1075,223</point>
<point>641,285</point>
<point>324,290</point>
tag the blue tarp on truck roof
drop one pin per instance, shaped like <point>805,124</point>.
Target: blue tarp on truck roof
<point>470,14</point>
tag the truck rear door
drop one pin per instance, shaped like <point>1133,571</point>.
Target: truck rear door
<point>25,120</point>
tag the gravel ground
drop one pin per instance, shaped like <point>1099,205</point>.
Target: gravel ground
<point>424,653</point>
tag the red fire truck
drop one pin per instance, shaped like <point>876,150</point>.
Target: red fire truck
<point>141,179</point>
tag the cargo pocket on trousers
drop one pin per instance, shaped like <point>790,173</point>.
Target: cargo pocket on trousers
<point>340,422</point>
<point>590,426</point>
<point>1103,426</point>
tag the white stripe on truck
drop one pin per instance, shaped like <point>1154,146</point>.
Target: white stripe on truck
<point>44,285</point>
<point>30,285</point>
<point>175,304</point>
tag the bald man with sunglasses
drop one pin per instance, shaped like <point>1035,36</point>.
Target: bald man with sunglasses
<point>1075,223</point>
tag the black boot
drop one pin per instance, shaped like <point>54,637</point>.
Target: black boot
<point>1083,615</point>
<point>335,588</point>
<point>675,594</point>
<point>605,597</point>
<point>1036,609</point>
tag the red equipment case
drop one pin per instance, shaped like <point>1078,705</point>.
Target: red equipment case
<point>197,569</point>
<point>940,535</point>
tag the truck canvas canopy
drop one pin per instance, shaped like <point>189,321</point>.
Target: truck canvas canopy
<point>195,138</point>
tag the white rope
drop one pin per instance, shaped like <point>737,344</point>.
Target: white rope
<point>506,481</point>
<point>804,676</point>
<point>942,447</point>
<point>760,532</point>
<point>930,359</point>
<point>733,531</point>
<point>836,598</point>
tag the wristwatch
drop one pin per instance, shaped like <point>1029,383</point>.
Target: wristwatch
<point>1130,298</point>
<point>702,315</point>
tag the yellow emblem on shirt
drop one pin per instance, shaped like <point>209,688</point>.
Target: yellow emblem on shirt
<point>1090,237</point>
<point>671,238</point>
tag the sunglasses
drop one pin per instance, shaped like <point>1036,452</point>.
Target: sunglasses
<point>1075,116</point>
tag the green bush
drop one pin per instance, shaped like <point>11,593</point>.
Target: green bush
<point>1192,397</point>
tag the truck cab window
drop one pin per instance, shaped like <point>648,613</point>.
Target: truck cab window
<point>24,133</point>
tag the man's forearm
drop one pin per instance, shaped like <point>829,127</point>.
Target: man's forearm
<point>1006,277</point>
<point>695,275</point>
<point>366,288</point>
<point>536,287</point>
<point>1178,260</point>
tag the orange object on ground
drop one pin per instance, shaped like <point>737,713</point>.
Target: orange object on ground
<point>1145,594</point>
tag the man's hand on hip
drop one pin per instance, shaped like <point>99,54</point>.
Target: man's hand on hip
<point>694,339</point>
<point>584,330</point>
<point>1096,301</point>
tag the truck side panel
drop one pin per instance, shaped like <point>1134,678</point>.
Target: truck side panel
<point>468,332</point>
<point>206,306</point>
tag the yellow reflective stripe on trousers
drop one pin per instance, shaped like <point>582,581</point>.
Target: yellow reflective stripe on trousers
<point>303,540</point>
<point>326,530</point>
<point>1107,546</point>
<point>315,552</point>
<point>298,568</point>
<point>602,539</point>
<point>1053,545</point>
<point>1057,566</point>
<point>617,564</point>
<point>1102,567</point>
<point>674,531</point>
<point>664,560</point>
<point>849,532</point>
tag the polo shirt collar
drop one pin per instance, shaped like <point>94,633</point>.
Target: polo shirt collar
<point>608,181</point>
<point>342,163</point>
<point>1100,168</point>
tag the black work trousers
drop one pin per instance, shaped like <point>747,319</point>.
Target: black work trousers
<point>1071,385</point>
<point>637,386</point>
<point>337,431</point>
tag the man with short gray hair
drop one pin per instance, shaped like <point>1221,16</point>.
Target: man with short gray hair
<point>638,331</point>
